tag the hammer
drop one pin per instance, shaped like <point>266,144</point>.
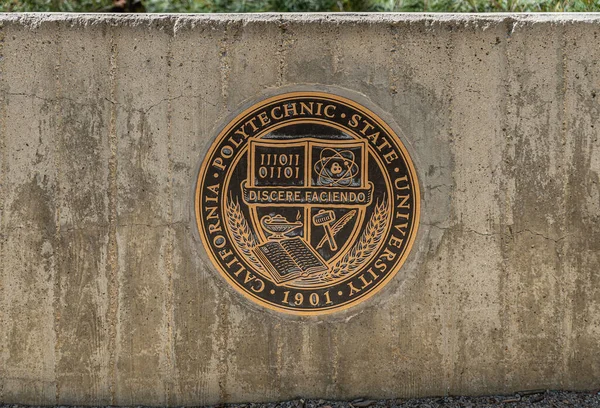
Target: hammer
<point>325,218</point>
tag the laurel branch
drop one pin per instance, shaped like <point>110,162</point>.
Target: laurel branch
<point>366,245</point>
<point>241,232</point>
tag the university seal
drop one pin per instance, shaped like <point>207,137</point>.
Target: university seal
<point>307,203</point>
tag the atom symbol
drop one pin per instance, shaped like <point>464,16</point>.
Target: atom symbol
<point>336,168</point>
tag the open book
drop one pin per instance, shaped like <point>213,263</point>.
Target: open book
<point>289,259</point>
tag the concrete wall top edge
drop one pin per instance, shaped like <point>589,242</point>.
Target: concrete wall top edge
<point>34,19</point>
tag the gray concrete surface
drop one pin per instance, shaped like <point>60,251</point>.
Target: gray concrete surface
<point>107,296</point>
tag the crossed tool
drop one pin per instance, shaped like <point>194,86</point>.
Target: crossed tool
<point>326,218</point>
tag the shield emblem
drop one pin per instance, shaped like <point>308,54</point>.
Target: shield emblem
<point>306,200</point>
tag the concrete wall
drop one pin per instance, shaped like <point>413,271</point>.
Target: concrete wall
<point>106,294</point>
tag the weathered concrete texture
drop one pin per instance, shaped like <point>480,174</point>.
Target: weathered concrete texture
<point>107,297</point>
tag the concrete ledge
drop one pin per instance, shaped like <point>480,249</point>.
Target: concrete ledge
<point>107,296</point>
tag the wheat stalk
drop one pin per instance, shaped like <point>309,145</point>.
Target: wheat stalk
<point>242,234</point>
<point>363,249</point>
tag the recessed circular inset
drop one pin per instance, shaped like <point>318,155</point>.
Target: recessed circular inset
<point>313,203</point>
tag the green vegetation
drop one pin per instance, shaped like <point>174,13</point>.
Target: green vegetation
<point>244,6</point>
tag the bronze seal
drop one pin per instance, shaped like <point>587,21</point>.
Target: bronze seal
<point>307,203</point>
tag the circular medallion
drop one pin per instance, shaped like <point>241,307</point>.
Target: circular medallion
<point>307,203</point>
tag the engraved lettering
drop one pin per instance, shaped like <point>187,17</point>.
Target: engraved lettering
<point>299,217</point>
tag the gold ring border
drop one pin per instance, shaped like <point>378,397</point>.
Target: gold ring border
<point>405,155</point>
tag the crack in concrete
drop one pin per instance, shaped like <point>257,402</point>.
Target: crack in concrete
<point>439,187</point>
<point>125,108</point>
<point>490,234</point>
<point>160,102</point>
<point>99,226</point>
